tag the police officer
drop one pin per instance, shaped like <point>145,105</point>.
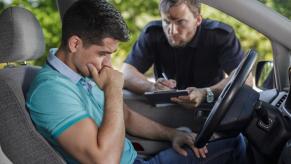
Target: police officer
<point>192,53</point>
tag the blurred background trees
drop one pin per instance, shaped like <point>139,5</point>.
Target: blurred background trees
<point>137,14</point>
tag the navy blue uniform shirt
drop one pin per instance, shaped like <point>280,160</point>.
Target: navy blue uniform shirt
<point>201,63</point>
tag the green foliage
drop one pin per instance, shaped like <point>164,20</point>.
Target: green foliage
<point>47,14</point>
<point>2,5</point>
<point>248,37</point>
<point>139,13</point>
<point>281,6</point>
<point>136,14</point>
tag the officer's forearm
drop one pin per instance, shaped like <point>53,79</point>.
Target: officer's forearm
<point>217,88</point>
<point>138,85</point>
<point>136,81</point>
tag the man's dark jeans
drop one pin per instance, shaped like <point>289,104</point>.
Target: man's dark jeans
<point>227,151</point>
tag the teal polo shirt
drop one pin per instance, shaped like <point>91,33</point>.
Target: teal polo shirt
<point>59,98</point>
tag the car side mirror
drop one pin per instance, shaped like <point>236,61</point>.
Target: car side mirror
<point>264,75</point>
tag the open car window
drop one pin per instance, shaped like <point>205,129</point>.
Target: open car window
<point>249,38</point>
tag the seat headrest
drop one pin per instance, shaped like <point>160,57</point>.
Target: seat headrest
<point>21,36</point>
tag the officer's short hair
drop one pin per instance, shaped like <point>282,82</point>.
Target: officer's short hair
<point>92,21</point>
<point>194,5</point>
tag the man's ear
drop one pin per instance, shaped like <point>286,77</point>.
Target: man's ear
<point>198,20</point>
<point>73,43</point>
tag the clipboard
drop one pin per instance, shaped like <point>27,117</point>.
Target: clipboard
<point>164,97</point>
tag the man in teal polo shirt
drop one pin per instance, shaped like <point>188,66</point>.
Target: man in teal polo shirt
<point>76,100</point>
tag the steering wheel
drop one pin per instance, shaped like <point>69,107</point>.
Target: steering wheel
<point>225,99</point>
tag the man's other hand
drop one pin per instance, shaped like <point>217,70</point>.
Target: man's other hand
<point>181,139</point>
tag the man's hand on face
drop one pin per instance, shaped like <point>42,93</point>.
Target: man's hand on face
<point>181,139</point>
<point>107,77</point>
<point>163,84</point>
<point>195,98</point>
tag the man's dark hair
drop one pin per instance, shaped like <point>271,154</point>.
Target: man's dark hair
<point>92,21</point>
<point>194,5</point>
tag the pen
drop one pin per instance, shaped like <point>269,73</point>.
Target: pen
<point>165,76</point>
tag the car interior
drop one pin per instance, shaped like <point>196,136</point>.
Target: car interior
<point>263,115</point>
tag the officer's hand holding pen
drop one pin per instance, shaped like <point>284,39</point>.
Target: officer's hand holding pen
<point>165,83</point>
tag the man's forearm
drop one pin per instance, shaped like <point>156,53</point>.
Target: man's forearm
<point>98,143</point>
<point>140,126</point>
<point>112,127</point>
